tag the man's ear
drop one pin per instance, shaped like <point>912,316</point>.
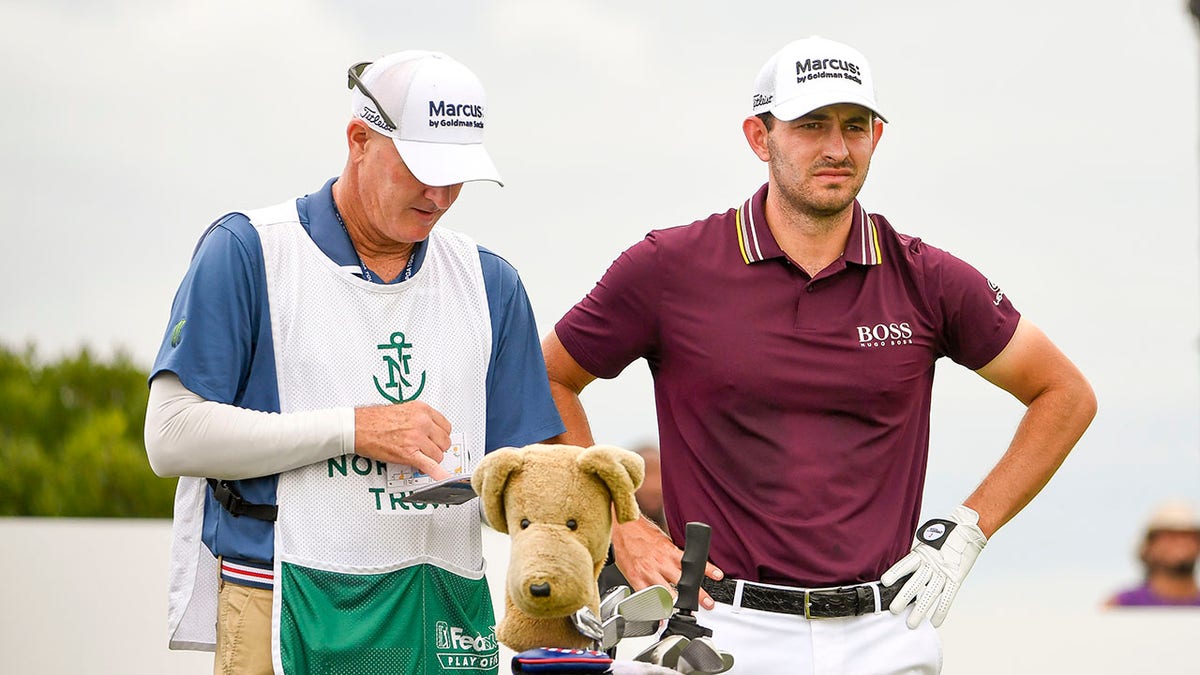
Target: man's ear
<point>490,480</point>
<point>357,136</point>
<point>756,135</point>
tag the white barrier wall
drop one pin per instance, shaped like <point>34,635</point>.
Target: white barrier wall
<point>88,596</point>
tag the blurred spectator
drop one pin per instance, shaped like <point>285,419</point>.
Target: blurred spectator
<point>1168,553</point>
<point>649,496</point>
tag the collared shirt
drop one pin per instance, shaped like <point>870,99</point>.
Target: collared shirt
<point>228,355</point>
<point>793,411</point>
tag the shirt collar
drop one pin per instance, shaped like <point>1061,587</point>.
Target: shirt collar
<point>318,215</point>
<point>756,242</point>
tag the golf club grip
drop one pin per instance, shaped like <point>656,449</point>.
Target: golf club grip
<point>695,557</point>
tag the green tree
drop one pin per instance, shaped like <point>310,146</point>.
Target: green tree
<point>71,438</point>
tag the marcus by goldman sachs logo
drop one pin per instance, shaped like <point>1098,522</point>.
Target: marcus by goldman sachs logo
<point>885,334</point>
<point>812,69</point>
<point>455,111</point>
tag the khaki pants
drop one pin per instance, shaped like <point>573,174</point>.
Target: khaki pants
<point>243,631</point>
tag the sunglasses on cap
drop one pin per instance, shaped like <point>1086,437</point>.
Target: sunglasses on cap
<point>354,75</point>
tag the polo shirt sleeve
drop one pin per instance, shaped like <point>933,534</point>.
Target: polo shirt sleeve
<point>977,318</point>
<point>209,341</point>
<point>617,322</point>
<point>520,409</point>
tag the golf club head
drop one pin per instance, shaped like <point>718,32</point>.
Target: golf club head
<point>665,652</point>
<point>653,603</point>
<point>641,628</point>
<point>701,655</point>
<point>726,664</point>
<point>614,630</point>
<point>587,624</point>
<point>608,604</point>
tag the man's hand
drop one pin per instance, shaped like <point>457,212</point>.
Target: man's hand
<point>410,433</point>
<point>943,553</point>
<point>646,556</point>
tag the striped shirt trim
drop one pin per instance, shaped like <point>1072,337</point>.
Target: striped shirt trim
<point>748,234</point>
<point>870,253</point>
<point>247,575</point>
<point>869,236</point>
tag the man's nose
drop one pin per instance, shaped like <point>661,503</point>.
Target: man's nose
<point>835,145</point>
<point>440,196</point>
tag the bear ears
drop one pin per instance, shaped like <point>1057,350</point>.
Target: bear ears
<point>620,470</point>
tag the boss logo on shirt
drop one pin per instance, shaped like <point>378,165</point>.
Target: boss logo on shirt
<point>885,334</point>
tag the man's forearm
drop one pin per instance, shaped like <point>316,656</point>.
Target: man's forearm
<point>188,436</point>
<point>1052,425</point>
<point>570,409</point>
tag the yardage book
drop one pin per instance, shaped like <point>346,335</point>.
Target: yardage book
<point>402,478</point>
<point>453,490</point>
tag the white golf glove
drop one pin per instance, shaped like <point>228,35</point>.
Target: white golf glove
<point>943,553</point>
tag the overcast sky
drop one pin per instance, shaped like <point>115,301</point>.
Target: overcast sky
<point>1052,145</point>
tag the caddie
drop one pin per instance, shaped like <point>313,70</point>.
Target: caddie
<point>323,357</point>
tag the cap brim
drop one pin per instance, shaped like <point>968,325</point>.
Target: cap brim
<point>800,106</point>
<point>439,164</point>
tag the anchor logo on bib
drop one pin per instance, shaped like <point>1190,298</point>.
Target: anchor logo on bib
<point>398,371</point>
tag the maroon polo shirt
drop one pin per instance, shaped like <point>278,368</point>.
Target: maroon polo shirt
<point>793,411</point>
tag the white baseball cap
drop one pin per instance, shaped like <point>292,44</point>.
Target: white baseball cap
<point>432,107</point>
<point>1175,515</point>
<point>812,73</point>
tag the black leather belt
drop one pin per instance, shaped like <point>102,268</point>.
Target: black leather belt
<point>824,603</point>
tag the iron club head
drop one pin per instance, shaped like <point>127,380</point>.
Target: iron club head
<point>610,601</point>
<point>614,630</point>
<point>665,652</point>
<point>701,655</point>
<point>653,603</point>
<point>641,628</point>
<point>587,624</point>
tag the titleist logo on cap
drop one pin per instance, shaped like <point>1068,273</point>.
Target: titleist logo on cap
<point>372,116</point>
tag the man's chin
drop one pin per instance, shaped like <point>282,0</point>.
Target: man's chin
<point>1175,569</point>
<point>828,208</point>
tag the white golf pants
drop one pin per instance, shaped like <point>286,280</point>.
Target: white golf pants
<point>871,644</point>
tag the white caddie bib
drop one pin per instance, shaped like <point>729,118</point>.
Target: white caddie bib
<point>363,581</point>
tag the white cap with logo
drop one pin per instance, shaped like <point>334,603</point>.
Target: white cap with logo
<point>812,73</point>
<point>432,107</point>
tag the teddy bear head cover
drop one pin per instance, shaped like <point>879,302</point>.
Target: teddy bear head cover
<point>557,503</point>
